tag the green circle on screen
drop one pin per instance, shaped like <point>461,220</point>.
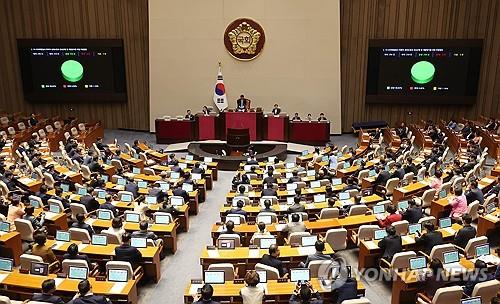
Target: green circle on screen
<point>422,72</point>
<point>72,70</point>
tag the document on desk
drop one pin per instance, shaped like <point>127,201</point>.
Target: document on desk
<point>283,207</point>
<point>488,180</point>
<point>213,253</point>
<point>118,287</point>
<point>254,253</point>
<point>371,245</point>
<point>306,250</point>
<point>280,227</point>
<point>58,281</point>
<point>58,244</point>
<point>3,276</point>
<point>90,221</point>
<point>310,206</point>
<point>50,215</point>
<point>82,246</point>
<point>450,230</point>
<point>407,239</point>
<point>194,288</point>
<point>491,217</point>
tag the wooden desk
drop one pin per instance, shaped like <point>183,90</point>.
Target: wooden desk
<point>246,258</point>
<point>487,223</point>
<point>276,292</point>
<point>75,177</point>
<point>30,184</point>
<point>166,232</point>
<point>11,246</point>
<point>134,162</point>
<point>412,189</point>
<point>101,254</point>
<point>22,286</point>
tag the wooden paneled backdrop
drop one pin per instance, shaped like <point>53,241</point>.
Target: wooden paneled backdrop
<point>416,19</point>
<point>124,19</point>
<point>360,21</point>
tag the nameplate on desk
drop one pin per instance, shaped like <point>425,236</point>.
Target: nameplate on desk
<point>3,276</point>
<point>118,287</point>
<point>238,281</point>
<point>282,280</point>
<point>306,250</point>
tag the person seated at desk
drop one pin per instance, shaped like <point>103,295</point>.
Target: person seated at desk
<point>172,161</point>
<point>382,177</point>
<point>127,253</point>
<point>437,182</point>
<point>197,169</point>
<point>16,210</point>
<point>357,201</point>
<point>47,294</point>
<point>168,208</point>
<point>474,193</point>
<point>205,110</point>
<point>434,279</point>
<point>399,173</point>
<point>107,205</point>
<point>458,203</point>
<point>251,293</point>
<point>136,147</point>
<point>178,191</point>
<point>132,187</point>
<point>242,104</point>
<point>238,209</point>
<point>491,125</point>
<point>465,233</point>
<point>322,117</point>
<point>351,184</point>
<point>252,161</point>
<point>304,293</point>
<point>241,191</point>
<point>117,227</point>
<point>272,260</point>
<point>80,223</point>
<point>42,194</point>
<point>85,295</point>
<point>276,110</point>
<point>72,254</point>
<point>267,206</point>
<point>430,238</point>
<point>229,228</point>
<point>205,297</point>
<point>269,190</point>
<point>100,145</point>
<point>389,219</point>
<point>297,206</point>
<point>41,250</point>
<point>481,275</point>
<point>295,225</point>
<point>270,178</point>
<point>452,124</point>
<point>296,117</point>
<point>36,222</point>
<point>260,232</point>
<point>59,196</point>
<point>413,213</point>
<point>390,244</point>
<point>295,177</point>
<point>9,179</point>
<point>33,121</point>
<point>309,117</point>
<point>189,115</point>
<point>144,233</point>
<point>469,165</point>
<point>89,201</point>
<point>186,178</point>
<point>318,255</point>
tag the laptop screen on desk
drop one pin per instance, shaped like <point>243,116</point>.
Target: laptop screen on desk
<point>413,228</point>
<point>336,181</point>
<point>207,159</point>
<point>142,184</point>
<point>62,236</point>
<point>189,157</point>
<point>104,214</point>
<point>290,187</point>
<point>196,176</point>
<point>121,182</point>
<point>151,200</point>
<point>99,239</point>
<point>483,249</point>
<point>442,194</point>
<point>65,187</point>
<point>175,175</point>
<point>265,243</point>
<point>82,191</point>
<point>6,264</point>
<point>380,234</point>
<point>309,240</point>
<point>403,205</point>
<point>444,222</point>
<point>138,242</point>
<point>162,219</point>
<point>132,217</point>
<point>343,196</point>
<point>4,226</point>
<point>311,172</point>
<point>378,209</point>
<point>187,187</point>
<point>266,219</point>
<point>101,194</point>
<point>299,274</point>
<point>78,273</point>
<point>450,257</point>
<point>319,198</point>
<point>136,170</point>
<point>289,165</point>
<point>315,184</point>
<point>39,268</point>
<point>54,208</point>
<point>127,198</point>
<point>474,300</point>
<point>117,275</point>
<point>213,277</point>
<point>417,263</point>
<point>177,201</point>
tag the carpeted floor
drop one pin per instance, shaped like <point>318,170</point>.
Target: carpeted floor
<point>179,269</point>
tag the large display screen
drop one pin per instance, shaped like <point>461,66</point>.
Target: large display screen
<point>61,70</point>
<point>423,71</point>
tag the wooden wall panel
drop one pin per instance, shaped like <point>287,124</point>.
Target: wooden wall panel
<point>122,19</point>
<point>416,19</point>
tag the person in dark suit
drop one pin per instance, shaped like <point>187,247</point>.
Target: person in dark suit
<point>143,232</point>
<point>168,208</point>
<point>481,275</point>
<point>89,201</point>
<point>127,253</point>
<point>136,146</point>
<point>72,254</point>
<point>469,165</point>
<point>33,121</point>
<point>241,103</point>
<point>100,145</point>
<point>295,177</point>
<point>36,222</point>
<point>189,115</point>
<point>229,228</point>
<point>205,297</point>
<point>58,196</point>
<point>296,207</point>
<point>474,193</point>
<point>42,193</point>
<point>272,260</point>
<point>276,110</point>
<point>465,233</point>
<point>80,223</point>
<point>391,244</point>
<point>269,191</point>
<point>267,206</point>
<point>318,255</point>
<point>399,173</point>
<point>197,169</point>
<point>108,205</point>
<point>382,177</point>
<point>131,186</point>
<point>85,295</point>
<point>429,239</point>
<point>304,293</point>
<point>178,191</point>
<point>269,178</point>
<point>238,209</point>
<point>413,213</point>
<point>47,294</point>
<point>351,185</point>
<point>94,165</point>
